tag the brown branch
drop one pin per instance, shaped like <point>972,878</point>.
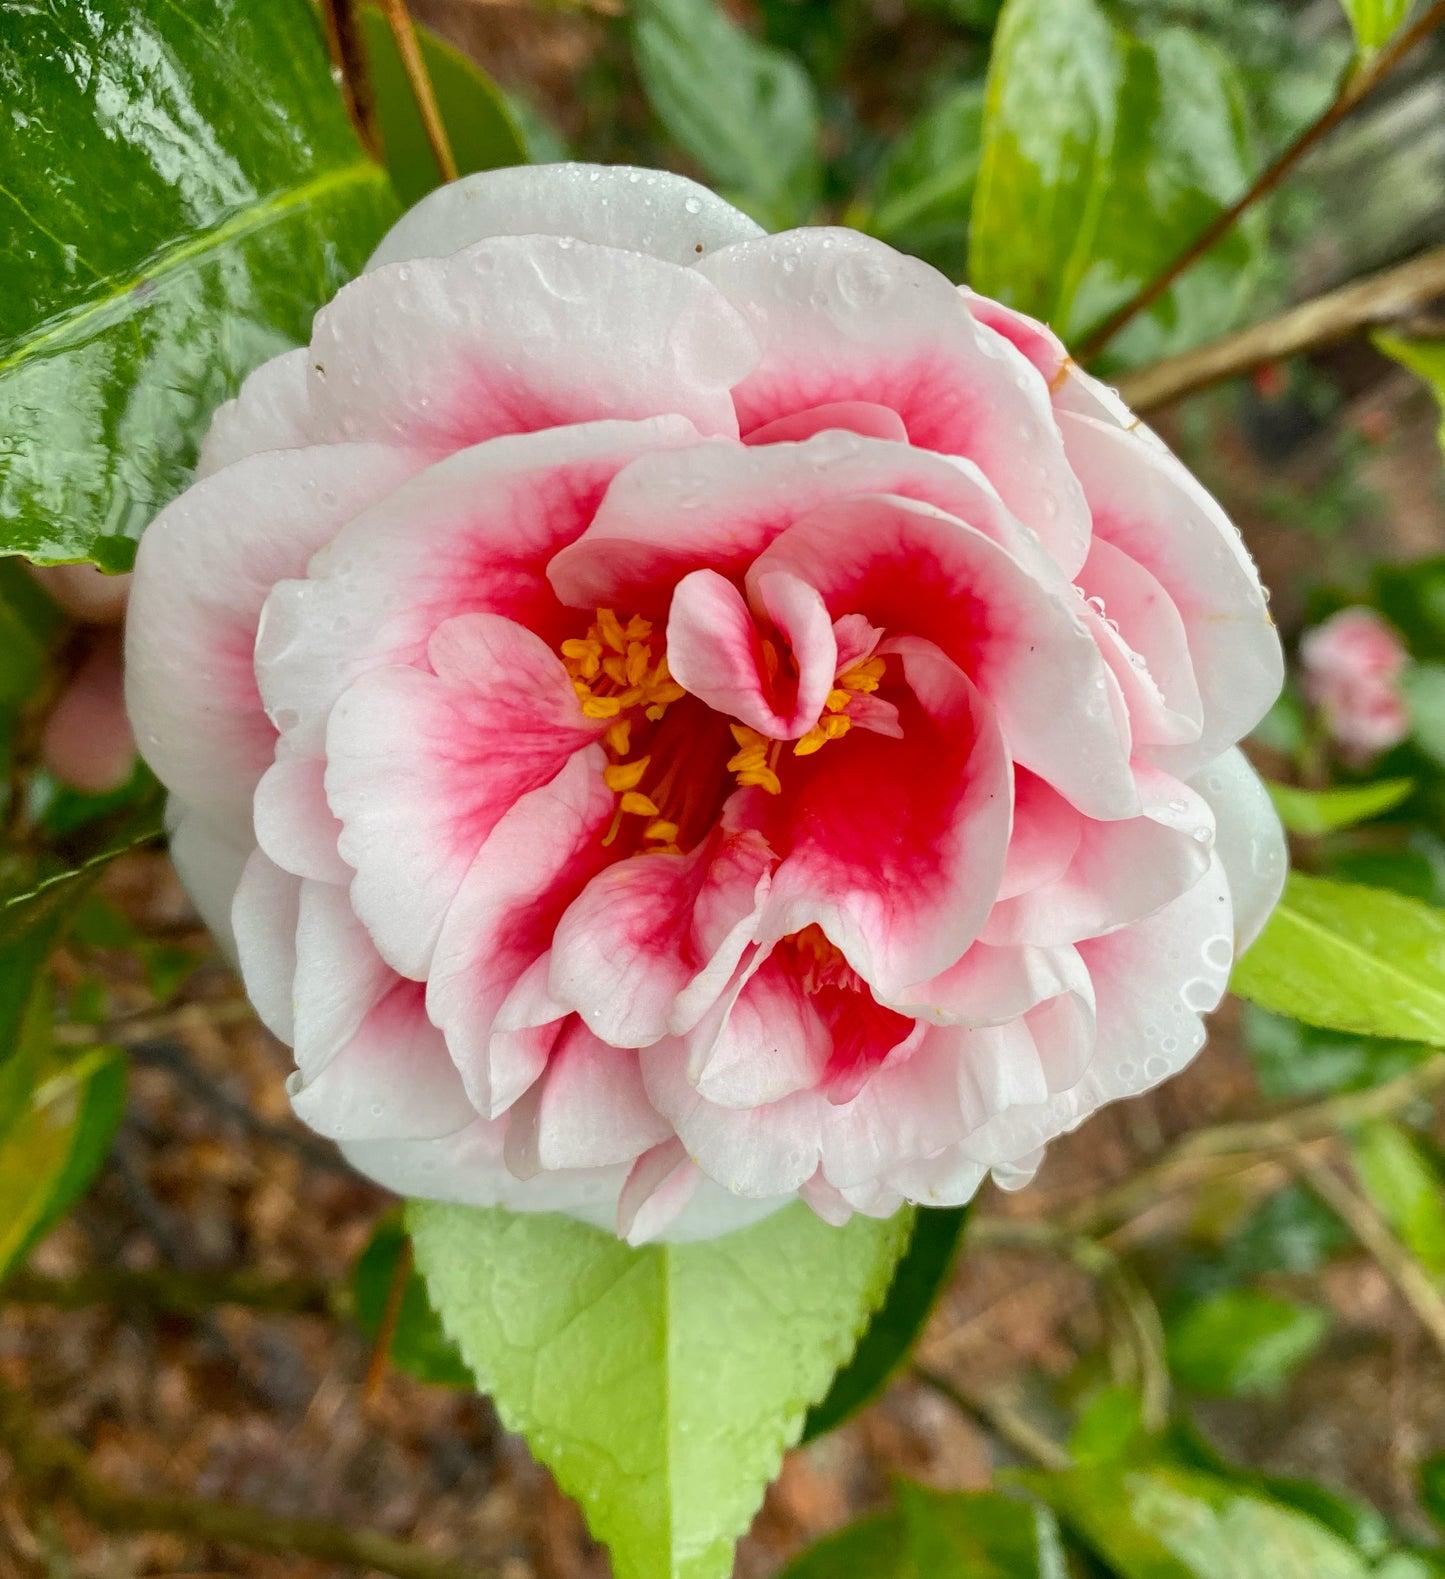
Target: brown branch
<point>419,78</point>
<point>1360,1217</point>
<point>53,1468</point>
<point>1004,1421</point>
<point>1356,89</point>
<point>386,1333</point>
<point>348,56</point>
<point>155,1025</point>
<point>1376,302</point>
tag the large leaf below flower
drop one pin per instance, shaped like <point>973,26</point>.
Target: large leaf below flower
<point>181,192</point>
<point>1104,155</point>
<point>660,1385</point>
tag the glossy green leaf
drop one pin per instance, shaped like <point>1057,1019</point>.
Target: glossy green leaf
<point>1375,21</point>
<point>1423,357</point>
<point>1351,958</point>
<point>920,1280</point>
<point>745,111</point>
<point>660,1385</point>
<point>1108,1427</point>
<point>979,1535</point>
<point>1165,1522</point>
<point>873,1548</point>
<point>1423,687</point>
<point>59,1119</point>
<point>1313,812</point>
<point>181,191</point>
<point>1241,1341</point>
<point>418,1345</point>
<point>1104,154</point>
<point>477,118</point>
<point>923,190</point>
<point>1405,1187</point>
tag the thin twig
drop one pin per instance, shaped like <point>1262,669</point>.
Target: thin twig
<point>1361,1218</point>
<point>54,1468</point>
<point>348,55</point>
<point>152,1025</point>
<point>1378,301</point>
<point>163,1291</point>
<point>414,65</point>
<point>1006,1423</point>
<point>1356,89</point>
<point>386,1333</point>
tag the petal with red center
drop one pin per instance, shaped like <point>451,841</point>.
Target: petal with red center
<point>472,534</point>
<point>294,824</point>
<point>421,767</point>
<point>203,571</point>
<point>991,985</point>
<point>763,1041</point>
<point>1148,507</point>
<point>392,1080</point>
<point>651,211</point>
<point>1121,871</point>
<point>717,507</point>
<point>1019,638</point>
<point>842,317</point>
<point>626,950</point>
<point>588,1110</point>
<point>714,650</point>
<point>1249,841</point>
<point>896,847</point>
<point>1046,833</point>
<point>534,863</point>
<point>518,334</point>
<point>1032,339</point>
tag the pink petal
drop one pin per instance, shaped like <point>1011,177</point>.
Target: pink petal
<point>588,1110</point>
<point>1148,507</point>
<point>209,862</point>
<point>660,1185</point>
<point>534,863</point>
<point>270,412</point>
<point>842,317</point>
<point>264,916</point>
<point>202,573</point>
<point>87,740</point>
<point>1121,871</point>
<point>714,649</point>
<point>1046,833</point>
<point>863,417</point>
<point>472,534</point>
<point>518,334</point>
<point>666,216</point>
<point>1249,841</point>
<point>1020,639</point>
<point>1032,339</point>
<point>993,984</point>
<point>763,1041</point>
<point>393,1079</point>
<point>421,768</point>
<point>294,823</point>
<point>339,978</point>
<point>716,507</point>
<point>896,847</point>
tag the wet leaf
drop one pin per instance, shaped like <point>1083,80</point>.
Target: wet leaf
<point>1241,1341</point>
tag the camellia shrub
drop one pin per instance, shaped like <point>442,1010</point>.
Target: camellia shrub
<point>709,731</point>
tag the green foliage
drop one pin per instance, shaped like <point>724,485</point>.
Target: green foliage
<point>1242,1341</point>
<point>1104,154</point>
<point>873,1548</point>
<point>745,111</point>
<point>1352,958</point>
<point>660,1385</point>
<point>923,189</point>
<point>1423,687</point>
<point>418,1345</point>
<point>479,123</point>
<point>920,1278</point>
<point>1314,812</point>
<point>1295,1060</point>
<point>1405,1187</point>
<point>57,1119</point>
<point>1108,1427</point>
<point>191,192</point>
<point>1374,21</point>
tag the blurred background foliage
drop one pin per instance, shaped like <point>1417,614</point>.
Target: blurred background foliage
<point>1210,1343</point>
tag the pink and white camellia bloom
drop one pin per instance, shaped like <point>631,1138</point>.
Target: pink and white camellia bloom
<point>1351,668</point>
<point>673,719</point>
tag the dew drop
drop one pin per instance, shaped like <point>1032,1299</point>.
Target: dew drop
<point>692,205</point>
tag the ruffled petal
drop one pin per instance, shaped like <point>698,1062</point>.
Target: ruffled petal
<point>1249,841</point>
<point>651,211</point>
<point>421,767</point>
<point>264,918</point>
<point>271,411</point>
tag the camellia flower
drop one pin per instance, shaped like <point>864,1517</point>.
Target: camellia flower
<point>1351,666</point>
<point>674,718</point>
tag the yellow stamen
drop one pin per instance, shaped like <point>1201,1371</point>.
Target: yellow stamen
<point>601,706</point>
<point>611,630</point>
<point>639,805</point>
<point>661,829</point>
<point>619,736</point>
<point>620,776</point>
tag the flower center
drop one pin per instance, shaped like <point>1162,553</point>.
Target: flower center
<point>620,673</point>
<point>819,961</point>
